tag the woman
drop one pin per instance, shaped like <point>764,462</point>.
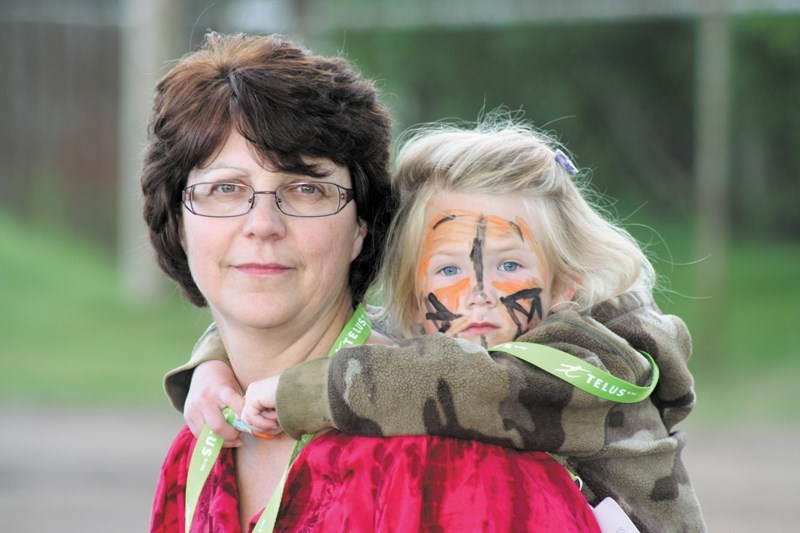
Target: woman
<point>267,199</point>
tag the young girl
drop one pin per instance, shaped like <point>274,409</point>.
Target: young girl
<point>494,241</point>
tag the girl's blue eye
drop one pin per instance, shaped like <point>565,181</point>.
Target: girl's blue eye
<point>509,266</point>
<point>450,270</point>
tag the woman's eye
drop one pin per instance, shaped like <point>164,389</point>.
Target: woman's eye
<point>226,188</point>
<point>307,188</point>
<point>509,266</point>
<point>450,270</point>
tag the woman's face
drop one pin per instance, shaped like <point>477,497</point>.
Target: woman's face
<point>482,274</point>
<point>265,269</point>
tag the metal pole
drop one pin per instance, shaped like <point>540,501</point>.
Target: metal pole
<point>148,29</point>
<point>711,175</point>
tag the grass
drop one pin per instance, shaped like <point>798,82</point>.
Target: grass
<point>67,335</point>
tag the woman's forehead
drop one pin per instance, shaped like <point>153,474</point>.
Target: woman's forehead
<point>236,148</point>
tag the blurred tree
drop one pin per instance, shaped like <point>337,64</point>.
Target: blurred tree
<point>765,127</point>
<point>619,94</point>
<point>617,85</point>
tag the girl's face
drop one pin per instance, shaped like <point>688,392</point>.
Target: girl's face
<point>482,274</point>
<point>266,269</point>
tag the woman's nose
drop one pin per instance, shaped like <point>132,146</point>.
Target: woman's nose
<point>264,220</point>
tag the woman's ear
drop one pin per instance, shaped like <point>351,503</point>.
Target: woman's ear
<point>358,241</point>
<point>182,236</point>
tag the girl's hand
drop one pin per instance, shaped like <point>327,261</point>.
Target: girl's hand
<point>259,406</point>
<point>213,387</point>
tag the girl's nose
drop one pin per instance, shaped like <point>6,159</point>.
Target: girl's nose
<point>482,296</point>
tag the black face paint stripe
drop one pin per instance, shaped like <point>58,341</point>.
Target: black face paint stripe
<point>518,230</point>
<point>476,254</point>
<point>512,304</point>
<point>441,314</point>
<point>446,218</point>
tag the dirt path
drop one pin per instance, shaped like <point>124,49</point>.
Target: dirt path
<point>95,470</point>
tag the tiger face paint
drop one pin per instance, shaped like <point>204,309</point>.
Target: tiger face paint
<point>482,274</point>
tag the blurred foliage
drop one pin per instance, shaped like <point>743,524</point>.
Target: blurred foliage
<point>619,94</point>
<point>766,125</point>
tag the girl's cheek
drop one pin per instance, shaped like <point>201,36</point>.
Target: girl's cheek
<point>451,295</point>
<point>507,288</point>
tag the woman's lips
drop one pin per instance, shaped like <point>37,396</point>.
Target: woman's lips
<point>261,269</point>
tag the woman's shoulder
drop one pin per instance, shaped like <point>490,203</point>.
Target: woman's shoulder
<point>184,440</point>
<point>176,463</point>
<point>168,502</point>
<point>216,504</point>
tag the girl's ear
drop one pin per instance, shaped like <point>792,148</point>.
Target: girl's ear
<point>563,292</point>
<point>418,313</point>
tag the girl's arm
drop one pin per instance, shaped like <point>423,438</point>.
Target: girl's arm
<point>201,387</point>
<point>177,381</point>
<point>443,386</point>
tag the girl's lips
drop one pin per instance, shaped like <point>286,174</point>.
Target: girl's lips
<point>261,269</point>
<point>479,328</point>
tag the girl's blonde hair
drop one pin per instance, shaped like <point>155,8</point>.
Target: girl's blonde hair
<point>584,249</point>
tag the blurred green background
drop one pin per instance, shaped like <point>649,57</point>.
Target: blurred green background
<point>84,318</point>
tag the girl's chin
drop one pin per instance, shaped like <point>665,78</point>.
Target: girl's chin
<point>487,340</point>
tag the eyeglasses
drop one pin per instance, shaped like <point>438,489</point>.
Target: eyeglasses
<point>306,199</point>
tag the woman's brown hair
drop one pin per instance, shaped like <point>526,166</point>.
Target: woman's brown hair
<point>291,105</point>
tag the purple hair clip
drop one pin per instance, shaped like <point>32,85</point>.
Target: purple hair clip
<point>565,162</point>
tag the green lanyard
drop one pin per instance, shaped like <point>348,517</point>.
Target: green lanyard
<point>209,444</point>
<point>580,374</point>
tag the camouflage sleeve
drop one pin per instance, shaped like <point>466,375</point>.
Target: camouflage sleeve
<point>176,382</point>
<point>302,398</point>
<point>641,465</point>
<point>635,317</point>
<point>442,386</point>
<point>644,473</point>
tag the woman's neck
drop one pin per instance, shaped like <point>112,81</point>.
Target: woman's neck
<point>257,353</point>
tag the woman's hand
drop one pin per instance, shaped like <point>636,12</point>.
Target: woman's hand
<point>259,406</point>
<point>213,387</point>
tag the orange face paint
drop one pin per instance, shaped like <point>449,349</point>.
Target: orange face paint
<point>450,295</point>
<point>482,273</point>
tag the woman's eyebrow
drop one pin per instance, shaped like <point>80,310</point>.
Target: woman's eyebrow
<point>213,168</point>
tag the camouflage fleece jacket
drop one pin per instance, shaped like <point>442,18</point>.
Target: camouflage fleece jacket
<point>438,385</point>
